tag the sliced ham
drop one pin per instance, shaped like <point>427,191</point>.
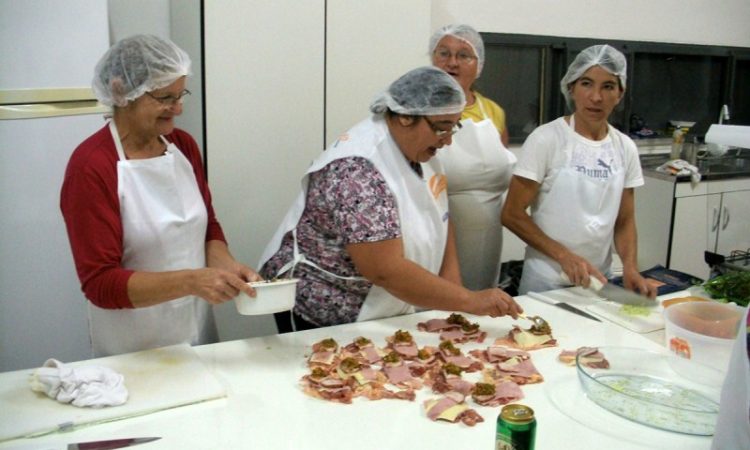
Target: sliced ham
<point>505,392</point>
<point>464,362</point>
<point>435,325</point>
<point>407,350</point>
<point>322,358</point>
<point>590,357</point>
<point>448,409</point>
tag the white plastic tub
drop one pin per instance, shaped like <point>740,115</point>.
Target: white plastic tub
<point>271,297</point>
<point>699,335</point>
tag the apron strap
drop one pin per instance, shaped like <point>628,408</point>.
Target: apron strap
<point>299,258</point>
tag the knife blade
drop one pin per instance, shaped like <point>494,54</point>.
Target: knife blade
<point>566,306</point>
<point>109,444</point>
<point>619,294</point>
<point>615,293</point>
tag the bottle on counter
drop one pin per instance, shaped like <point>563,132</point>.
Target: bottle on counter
<point>678,137</point>
<point>516,428</point>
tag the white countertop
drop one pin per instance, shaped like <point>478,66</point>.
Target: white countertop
<point>266,409</point>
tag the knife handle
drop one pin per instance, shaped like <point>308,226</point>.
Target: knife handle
<point>594,283</point>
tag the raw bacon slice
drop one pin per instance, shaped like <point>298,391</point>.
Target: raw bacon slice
<point>590,357</point>
<point>500,393</point>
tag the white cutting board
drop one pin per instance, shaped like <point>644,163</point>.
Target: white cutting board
<point>639,324</point>
<point>156,380</point>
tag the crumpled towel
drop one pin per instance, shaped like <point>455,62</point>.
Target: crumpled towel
<point>680,167</point>
<point>92,386</point>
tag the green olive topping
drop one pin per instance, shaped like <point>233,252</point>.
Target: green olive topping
<point>424,354</point>
<point>484,389</point>
<point>456,319</point>
<point>452,369</point>
<point>402,336</point>
<point>329,343</point>
<point>470,327</point>
<point>362,341</point>
<point>349,365</point>
<point>318,373</point>
<point>449,347</point>
<point>392,357</point>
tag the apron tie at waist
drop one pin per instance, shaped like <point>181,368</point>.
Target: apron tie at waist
<point>299,258</point>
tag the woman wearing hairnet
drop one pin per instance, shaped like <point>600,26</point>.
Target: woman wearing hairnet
<point>578,173</point>
<point>369,235</point>
<point>148,249</point>
<point>477,164</point>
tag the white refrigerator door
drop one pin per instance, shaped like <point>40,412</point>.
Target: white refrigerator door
<point>44,44</point>
<point>51,43</point>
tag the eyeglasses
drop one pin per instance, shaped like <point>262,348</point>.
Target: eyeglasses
<point>169,100</point>
<point>462,57</point>
<point>443,133</point>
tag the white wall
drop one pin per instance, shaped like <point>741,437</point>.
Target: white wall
<point>365,38</point>
<point>705,22</point>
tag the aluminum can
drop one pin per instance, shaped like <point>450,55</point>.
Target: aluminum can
<point>516,428</point>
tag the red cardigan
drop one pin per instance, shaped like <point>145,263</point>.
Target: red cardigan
<point>91,209</point>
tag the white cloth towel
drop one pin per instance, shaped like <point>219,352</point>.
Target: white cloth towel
<point>680,167</point>
<point>92,386</point>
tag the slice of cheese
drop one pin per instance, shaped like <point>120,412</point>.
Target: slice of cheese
<point>526,339</point>
<point>451,413</point>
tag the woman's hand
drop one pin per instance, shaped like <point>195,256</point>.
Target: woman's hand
<point>218,285</point>
<point>634,281</point>
<point>494,303</point>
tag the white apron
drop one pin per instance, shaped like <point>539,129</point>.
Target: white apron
<point>733,424</point>
<point>580,213</point>
<point>164,223</point>
<point>479,168</point>
<point>423,216</point>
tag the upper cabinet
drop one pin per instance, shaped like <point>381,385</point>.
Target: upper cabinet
<point>666,82</point>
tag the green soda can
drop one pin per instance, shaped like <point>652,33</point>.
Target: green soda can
<point>516,428</point>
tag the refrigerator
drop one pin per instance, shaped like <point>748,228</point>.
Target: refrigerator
<point>49,49</point>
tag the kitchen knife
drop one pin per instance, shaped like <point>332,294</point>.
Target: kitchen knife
<point>111,443</point>
<point>615,293</point>
<point>566,306</point>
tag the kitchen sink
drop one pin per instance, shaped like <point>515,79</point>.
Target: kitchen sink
<point>735,163</point>
<point>730,164</point>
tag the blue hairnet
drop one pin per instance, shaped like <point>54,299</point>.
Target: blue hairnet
<point>136,65</point>
<point>467,34</point>
<point>604,56</point>
<point>425,91</point>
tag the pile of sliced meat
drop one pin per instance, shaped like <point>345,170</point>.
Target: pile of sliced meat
<point>401,368</point>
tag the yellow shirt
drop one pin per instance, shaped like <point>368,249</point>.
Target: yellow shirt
<point>493,111</point>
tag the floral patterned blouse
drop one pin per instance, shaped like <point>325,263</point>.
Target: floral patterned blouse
<point>348,201</point>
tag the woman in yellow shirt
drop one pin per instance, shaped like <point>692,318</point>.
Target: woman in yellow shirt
<point>478,165</point>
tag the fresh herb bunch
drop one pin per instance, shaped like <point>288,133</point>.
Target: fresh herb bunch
<point>731,287</point>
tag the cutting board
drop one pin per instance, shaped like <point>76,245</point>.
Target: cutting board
<point>156,379</point>
<point>639,324</point>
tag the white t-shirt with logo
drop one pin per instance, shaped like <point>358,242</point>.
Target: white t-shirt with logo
<point>545,150</point>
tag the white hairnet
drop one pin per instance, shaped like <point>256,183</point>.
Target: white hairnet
<point>425,91</point>
<point>136,65</point>
<point>467,34</point>
<point>604,56</point>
